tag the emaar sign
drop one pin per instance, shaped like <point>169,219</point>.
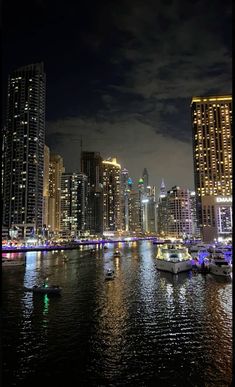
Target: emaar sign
<point>224,199</point>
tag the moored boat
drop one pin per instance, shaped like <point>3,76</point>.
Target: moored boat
<point>44,289</point>
<point>219,266</point>
<point>109,275</point>
<point>117,253</point>
<point>173,258</point>
<point>12,262</point>
<point>199,250</point>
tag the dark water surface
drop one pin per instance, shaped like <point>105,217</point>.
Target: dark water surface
<point>144,328</point>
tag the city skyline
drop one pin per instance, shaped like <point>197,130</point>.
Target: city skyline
<point>115,79</point>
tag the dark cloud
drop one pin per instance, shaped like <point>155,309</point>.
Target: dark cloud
<point>121,74</point>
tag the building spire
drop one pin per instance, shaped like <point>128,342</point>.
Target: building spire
<point>162,189</point>
<point>145,179</point>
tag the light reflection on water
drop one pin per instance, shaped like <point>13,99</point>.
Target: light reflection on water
<point>144,328</point>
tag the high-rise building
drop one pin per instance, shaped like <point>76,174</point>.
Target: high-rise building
<point>145,179</point>
<point>24,150</point>
<point>212,153</point>
<point>56,168</point>
<point>3,154</point>
<point>151,209</point>
<point>195,228</point>
<point>82,203</point>
<point>124,200</point>
<point>163,189</point>
<point>69,204</point>
<point>142,205</point>
<point>162,211</point>
<point>91,166</point>
<point>148,204</point>
<point>46,185</point>
<point>134,206</point>
<point>179,221</point>
<point>73,204</point>
<point>111,195</point>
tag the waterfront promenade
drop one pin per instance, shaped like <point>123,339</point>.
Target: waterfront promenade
<point>71,246</point>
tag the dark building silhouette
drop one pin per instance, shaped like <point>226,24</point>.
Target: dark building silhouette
<point>91,166</point>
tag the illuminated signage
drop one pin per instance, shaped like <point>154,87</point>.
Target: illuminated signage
<point>224,199</point>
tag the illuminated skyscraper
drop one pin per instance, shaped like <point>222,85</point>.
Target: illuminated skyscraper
<point>179,219</point>
<point>162,211</point>
<point>124,200</point>
<point>73,204</point>
<point>111,195</point>
<point>69,205</point>
<point>151,209</point>
<point>212,153</point>
<point>46,185</point>
<point>195,228</point>
<point>56,168</point>
<point>135,224</point>
<point>82,203</point>
<point>24,147</point>
<point>142,205</point>
<point>3,153</point>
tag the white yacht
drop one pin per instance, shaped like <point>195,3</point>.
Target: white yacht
<point>198,249</point>
<point>173,258</point>
<point>219,266</point>
<point>218,251</point>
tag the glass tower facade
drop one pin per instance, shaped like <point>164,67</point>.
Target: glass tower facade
<point>24,147</point>
<point>111,195</point>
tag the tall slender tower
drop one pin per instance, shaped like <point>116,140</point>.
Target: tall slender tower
<point>46,185</point>
<point>162,211</point>
<point>162,189</point>
<point>91,166</point>
<point>111,195</point>
<point>124,200</point>
<point>24,151</point>
<point>56,168</point>
<point>145,179</point>
<point>212,153</point>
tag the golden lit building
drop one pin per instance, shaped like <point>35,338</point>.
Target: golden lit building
<point>111,195</point>
<point>212,153</point>
<point>134,207</point>
<point>46,185</point>
<point>56,169</point>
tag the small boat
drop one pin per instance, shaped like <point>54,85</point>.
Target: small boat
<point>173,258</point>
<point>12,262</point>
<point>219,266</point>
<point>45,289</point>
<point>203,267</point>
<point>117,253</point>
<point>198,250</point>
<point>109,275</point>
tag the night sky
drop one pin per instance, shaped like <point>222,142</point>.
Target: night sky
<point>121,75</point>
